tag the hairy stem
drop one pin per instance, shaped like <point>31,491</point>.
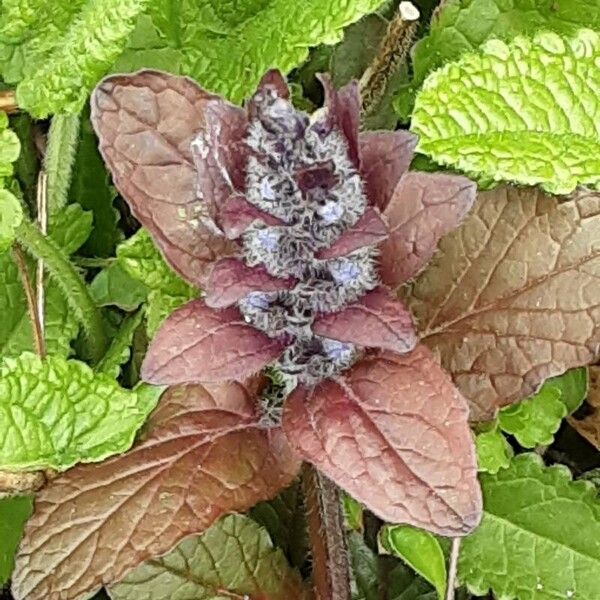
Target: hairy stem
<point>331,572</point>
<point>391,53</point>
<point>8,101</point>
<point>60,157</point>
<point>32,308</point>
<point>73,287</point>
<point>452,566</point>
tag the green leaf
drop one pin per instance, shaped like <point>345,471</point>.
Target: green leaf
<point>55,413</point>
<point>11,216</point>
<point>535,420</point>
<point>462,26</point>
<point>13,514</point>
<point>76,53</point>
<point>538,539</point>
<point>140,258</point>
<point>493,451</point>
<point>114,286</point>
<point>233,558</point>
<point>353,513</point>
<point>405,585</point>
<point>9,149</point>
<point>119,350</point>
<point>71,227</point>
<point>519,112</point>
<point>420,550</point>
<point>90,189</point>
<point>365,568</point>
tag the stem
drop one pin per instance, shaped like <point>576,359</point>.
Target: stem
<point>331,572</point>
<point>8,102</point>
<point>32,308</point>
<point>59,159</point>
<point>452,566</point>
<point>73,287</point>
<point>391,53</point>
<point>42,218</point>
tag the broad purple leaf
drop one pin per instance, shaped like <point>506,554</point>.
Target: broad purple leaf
<point>198,344</point>
<point>237,214</point>
<point>423,208</point>
<point>146,123</point>
<point>204,456</point>
<point>394,434</point>
<point>384,157</point>
<point>231,280</point>
<point>369,230</point>
<point>377,320</point>
<point>343,113</point>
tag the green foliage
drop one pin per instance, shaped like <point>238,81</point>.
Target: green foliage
<point>462,26</point>
<point>9,149</point>
<point>420,550</point>
<point>233,558</point>
<point>493,451</point>
<point>55,413</point>
<point>13,514</point>
<point>11,216</point>
<point>353,513</point>
<point>140,258</point>
<point>535,420</point>
<point>118,352</point>
<point>539,536</point>
<point>115,286</point>
<point>518,112</point>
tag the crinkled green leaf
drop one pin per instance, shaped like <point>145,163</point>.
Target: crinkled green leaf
<point>539,538</point>
<point>353,513</point>
<point>55,413</point>
<point>13,514</point>
<point>11,216</point>
<point>114,286</point>
<point>233,558</point>
<point>493,451</point>
<point>522,112</point>
<point>77,51</point>
<point>420,550</point>
<point>140,258</point>
<point>119,350</point>
<point>26,167</point>
<point>462,26</point>
<point>535,420</point>
<point>90,188</point>
<point>9,149</point>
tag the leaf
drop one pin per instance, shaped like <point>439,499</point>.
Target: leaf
<point>200,344</point>
<point>364,568</point>
<point>517,112</point>
<point>513,295</point>
<point>589,426</point>
<point>77,55</point>
<point>403,416</point>
<point>140,258</point>
<point>462,26</point>
<point>13,514</point>
<point>353,513</point>
<point>11,216</point>
<point>113,286</point>
<point>420,550</point>
<point>573,387</point>
<point>9,148</point>
<point>55,413</point>
<point>405,585</point>
<point>204,456</point>
<point>538,514</point>
<point>233,558</point>
<point>71,227</point>
<point>224,47</point>
<point>90,189</point>
<point>493,451</point>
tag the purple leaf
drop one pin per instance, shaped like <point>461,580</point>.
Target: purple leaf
<point>237,214</point>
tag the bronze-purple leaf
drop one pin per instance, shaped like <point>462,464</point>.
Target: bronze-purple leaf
<point>204,456</point>
<point>393,433</point>
<point>377,320</point>
<point>423,208</point>
<point>198,344</point>
<point>237,214</point>
<point>146,122</point>
<point>385,157</point>
<point>231,280</point>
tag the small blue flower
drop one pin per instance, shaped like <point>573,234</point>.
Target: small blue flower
<point>344,271</point>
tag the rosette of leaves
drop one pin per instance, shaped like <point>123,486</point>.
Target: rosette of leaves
<point>297,228</point>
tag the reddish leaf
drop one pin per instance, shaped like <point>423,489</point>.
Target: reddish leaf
<point>237,214</point>
<point>384,157</point>
<point>146,123</point>
<point>423,208</point>
<point>377,320</point>
<point>200,344</point>
<point>512,297</point>
<point>394,434</point>
<point>271,80</point>
<point>231,280</point>
<point>204,456</point>
<point>343,112</point>
<point>369,230</point>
